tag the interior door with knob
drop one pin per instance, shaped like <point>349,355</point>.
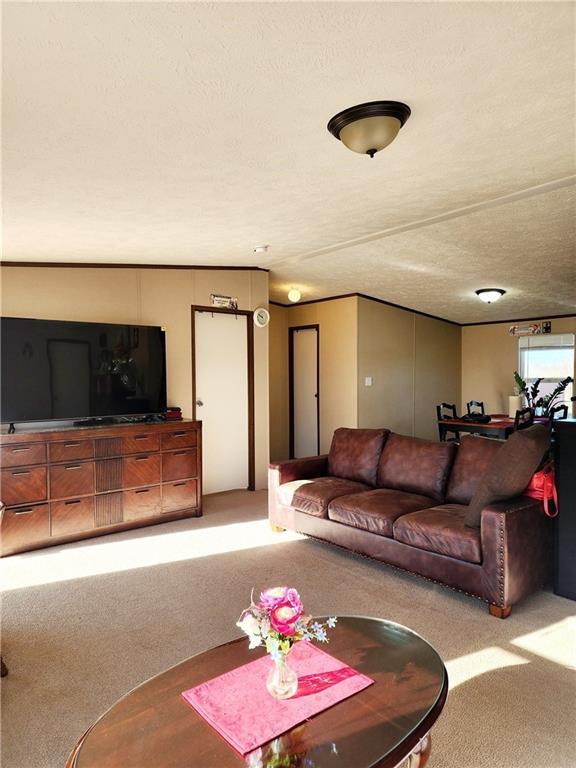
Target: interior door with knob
<point>221,398</point>
<point>304,391</point>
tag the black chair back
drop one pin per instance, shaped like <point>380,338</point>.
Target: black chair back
<point>450,411</point>
<point>475,406</point>
<point>524,418</point>
<point>558,412</point>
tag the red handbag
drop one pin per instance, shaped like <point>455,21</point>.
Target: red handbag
<point>543,487</point>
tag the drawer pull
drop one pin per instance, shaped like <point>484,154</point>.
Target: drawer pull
<point>141,437</point>
<point>142,458</point>
<point>182,453</point>
<point>21,472</point>
<point>24,511</point>
<point>143,490</point>
<point>20,450</point>
<point>177,485</point>
<point>74,501</point>
<point>71,445</point>
<point>178,434</point>
<point>74,466</point>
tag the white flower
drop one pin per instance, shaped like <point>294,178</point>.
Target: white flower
<point>249,624</point>
<point>255,641</point>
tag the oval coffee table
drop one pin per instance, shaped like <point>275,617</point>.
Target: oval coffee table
<point>385,725</point>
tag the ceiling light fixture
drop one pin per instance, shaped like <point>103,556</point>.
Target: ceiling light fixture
<point>261,248</point>
<point>294,295</point>
<point>368,128</point>
<point>490,295</point>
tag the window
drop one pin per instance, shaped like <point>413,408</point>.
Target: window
<point>550,358</point>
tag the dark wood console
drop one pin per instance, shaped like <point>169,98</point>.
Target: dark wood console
<point>75,483</point>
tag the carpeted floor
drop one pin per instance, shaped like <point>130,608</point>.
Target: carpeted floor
<point>85,623</point>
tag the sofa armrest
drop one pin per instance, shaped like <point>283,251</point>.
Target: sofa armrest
<point>515,537</point>
<point>280,472</point>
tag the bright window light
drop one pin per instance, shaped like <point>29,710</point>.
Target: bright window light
<point>473,664</point>
<point>549,357</point>
<point>557,642</point>
<point>112,554</point>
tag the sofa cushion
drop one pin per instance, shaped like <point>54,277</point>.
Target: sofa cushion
<point>473,456</point>
<point>510,470</point>
<point>440,529</point>
<point>313,496</point>
<point>354,453</point>
<point>415,465</point>
<point>375,511</point>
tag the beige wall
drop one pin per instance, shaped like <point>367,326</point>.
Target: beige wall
<point>278,340</point>
<point>489,359</point>
<point>154,297</point>
<point>414,363</point>
<point>338,327</point>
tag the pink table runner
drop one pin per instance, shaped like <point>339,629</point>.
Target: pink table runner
<point>240,708</point>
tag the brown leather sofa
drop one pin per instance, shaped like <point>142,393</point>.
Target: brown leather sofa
<point>402,500</point>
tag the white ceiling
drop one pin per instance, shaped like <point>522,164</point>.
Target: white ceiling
<point>186,133</point>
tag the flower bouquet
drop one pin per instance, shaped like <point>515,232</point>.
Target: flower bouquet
<point>278,621</point>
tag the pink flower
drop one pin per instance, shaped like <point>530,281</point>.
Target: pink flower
<point>270,598</point>
<point>275,596</point>
<point>284,615</point>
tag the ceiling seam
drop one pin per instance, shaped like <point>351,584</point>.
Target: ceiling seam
<point>495,202</point>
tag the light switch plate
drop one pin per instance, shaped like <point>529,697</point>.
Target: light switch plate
<point>368,381</point>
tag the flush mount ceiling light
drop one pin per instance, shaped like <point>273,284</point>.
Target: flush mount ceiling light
<point>294,295</point>
<point>368,128</point>
<point>490,295</point>
<point>261,248</point>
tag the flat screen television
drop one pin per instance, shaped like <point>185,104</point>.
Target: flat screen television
<point>52,369</point>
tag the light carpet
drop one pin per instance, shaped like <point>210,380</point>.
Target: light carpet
<point>86,622</point>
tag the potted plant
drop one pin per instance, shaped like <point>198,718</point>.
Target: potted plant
<point>532,394</point>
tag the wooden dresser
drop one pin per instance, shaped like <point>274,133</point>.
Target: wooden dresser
<point>75,483</point>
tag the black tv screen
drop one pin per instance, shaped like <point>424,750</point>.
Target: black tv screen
<point>53,369</point>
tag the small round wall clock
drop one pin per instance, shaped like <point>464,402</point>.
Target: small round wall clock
<point>261,317</point>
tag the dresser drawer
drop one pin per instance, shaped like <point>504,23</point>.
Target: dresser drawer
<point>178,465</point>
<point>141,470</point>
<point>144,443</point>
<point>71,479</point>
<point>141,502</point>
<point>179,495</point>
<point>71,450</point>
<point>179,438</point>
<point>21,455</point>
<point>23,527</point>
<point>71,516</point>
<point>23,485</point>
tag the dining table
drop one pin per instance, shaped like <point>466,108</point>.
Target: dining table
<point>500,426</point>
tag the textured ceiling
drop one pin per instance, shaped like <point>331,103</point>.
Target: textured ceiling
<point>186,133</point>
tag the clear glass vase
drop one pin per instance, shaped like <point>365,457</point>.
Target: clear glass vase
<point>282,682</point>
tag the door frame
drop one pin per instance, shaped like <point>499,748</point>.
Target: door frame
<point>291,331</point>
<point>250,370</point>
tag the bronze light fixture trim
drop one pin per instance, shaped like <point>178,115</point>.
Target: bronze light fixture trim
<point>490,295</point>
<point>368,128</point>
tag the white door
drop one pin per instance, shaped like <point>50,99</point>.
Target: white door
<point>221,352</point>
<point>305,389</point>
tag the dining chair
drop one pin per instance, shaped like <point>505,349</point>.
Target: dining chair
<point>558,412</point>
<point>446,411</point>
<point>475,406</point>
<point>524,418</point>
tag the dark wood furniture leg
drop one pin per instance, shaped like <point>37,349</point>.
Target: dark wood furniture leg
<point>3,668</point>
<point>500,613</point>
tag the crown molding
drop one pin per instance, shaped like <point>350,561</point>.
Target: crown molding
<point>99,265</point>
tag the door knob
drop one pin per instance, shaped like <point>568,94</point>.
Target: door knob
<point>199,403</point>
